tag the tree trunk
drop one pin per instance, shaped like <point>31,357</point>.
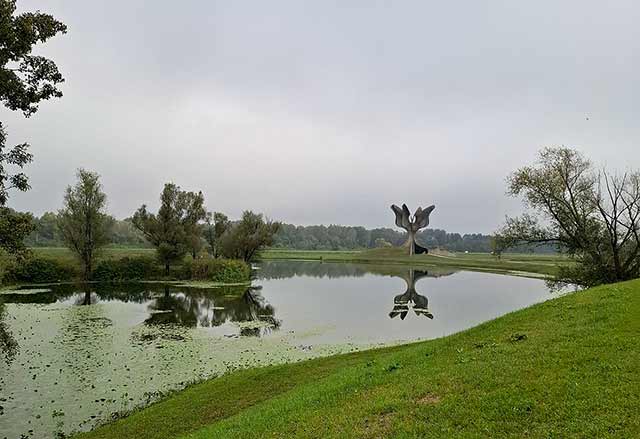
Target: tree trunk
<point>166,268</point>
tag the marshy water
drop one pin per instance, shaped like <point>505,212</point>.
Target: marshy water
<point>72,356</point>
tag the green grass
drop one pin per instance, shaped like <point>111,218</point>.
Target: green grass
<point>568,367</point>
<point>62,253</point>
<point>546,265</point>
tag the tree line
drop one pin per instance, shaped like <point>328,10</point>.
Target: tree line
<point>182,226</point>
<point>318,237</point>
<point>334,237</point>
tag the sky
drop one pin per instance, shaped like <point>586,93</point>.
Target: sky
<point>327,112</point>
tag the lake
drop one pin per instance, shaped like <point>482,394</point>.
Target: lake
<point>71,356</point>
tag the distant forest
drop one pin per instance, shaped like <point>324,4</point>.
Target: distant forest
<point>295,237</point>
<point>356,237</point>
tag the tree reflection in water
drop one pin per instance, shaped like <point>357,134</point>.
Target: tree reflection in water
<point>211,308</point>
<point>171,305</point>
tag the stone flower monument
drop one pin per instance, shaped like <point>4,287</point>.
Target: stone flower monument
<point>412,224</point>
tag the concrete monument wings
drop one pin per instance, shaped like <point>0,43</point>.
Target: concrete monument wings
<point>412,224</point>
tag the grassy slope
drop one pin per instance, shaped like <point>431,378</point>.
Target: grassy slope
<point>565,368</point>
<point>531,263</point>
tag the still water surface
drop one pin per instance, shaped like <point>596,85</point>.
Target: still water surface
<point>71,356</point>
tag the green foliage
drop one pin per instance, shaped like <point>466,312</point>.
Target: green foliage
<point>215,226</point>
<point>39,270</point>
<point>248,236</point>
<point>83,222</point>
<point>174,229</point>
<point>217,270</point>
<point>127,268</point>
<point>14,228</point>
<point>25,80</point>
<point>18,157</point>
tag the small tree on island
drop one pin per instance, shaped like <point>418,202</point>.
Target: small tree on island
<point>216,225</point>
<point>248,236</point>
<point>592,215</point>
<point>171,230</point>
<point>83,222</point>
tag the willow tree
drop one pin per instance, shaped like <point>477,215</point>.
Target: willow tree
<point>589,213</point>
<point>247,237</point>
<point>171,231</point>
<point>83,221</point>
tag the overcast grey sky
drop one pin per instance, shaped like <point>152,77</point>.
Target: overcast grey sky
<point>329,111</point>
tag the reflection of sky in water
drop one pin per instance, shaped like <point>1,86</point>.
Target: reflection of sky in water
<point>71,358</point>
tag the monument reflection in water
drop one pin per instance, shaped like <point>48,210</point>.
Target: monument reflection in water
<point>419,302</point>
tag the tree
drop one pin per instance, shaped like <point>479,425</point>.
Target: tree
<point>83,222</point>
<point>592,215</point>
<point>25,80</point>
<point>248,236</point>
<point>195,213</point>
<point>172,228</point>
<point>216,225</point>
<point>14,228</point>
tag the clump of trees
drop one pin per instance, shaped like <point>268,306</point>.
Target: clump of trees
<point>175,229</point>
<point>589,213</point>
<point>244,239</point>
<point>83,222</point>
<point>182,225</point>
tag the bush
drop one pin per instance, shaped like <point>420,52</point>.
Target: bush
<point>217,270</point>
<point>127,268</point>
<point>40,270</point>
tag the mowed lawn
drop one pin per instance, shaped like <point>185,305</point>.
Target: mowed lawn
<point>566,368</point>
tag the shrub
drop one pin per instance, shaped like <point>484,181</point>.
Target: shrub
<point>217,270</point>
<point>40,270</point>
<point>127,268</point>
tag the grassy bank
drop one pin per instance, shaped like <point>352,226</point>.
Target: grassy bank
<point>546,265</point>
<point>568,367</point>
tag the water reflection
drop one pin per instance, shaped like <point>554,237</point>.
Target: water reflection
<point>8,344</point>
<point>211,308</point>
<point>420,303</point>
<point>170,304</point>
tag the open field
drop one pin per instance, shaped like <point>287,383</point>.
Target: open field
<point>565,368</point>
<point>511,262</point>
<point>107,253</point>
